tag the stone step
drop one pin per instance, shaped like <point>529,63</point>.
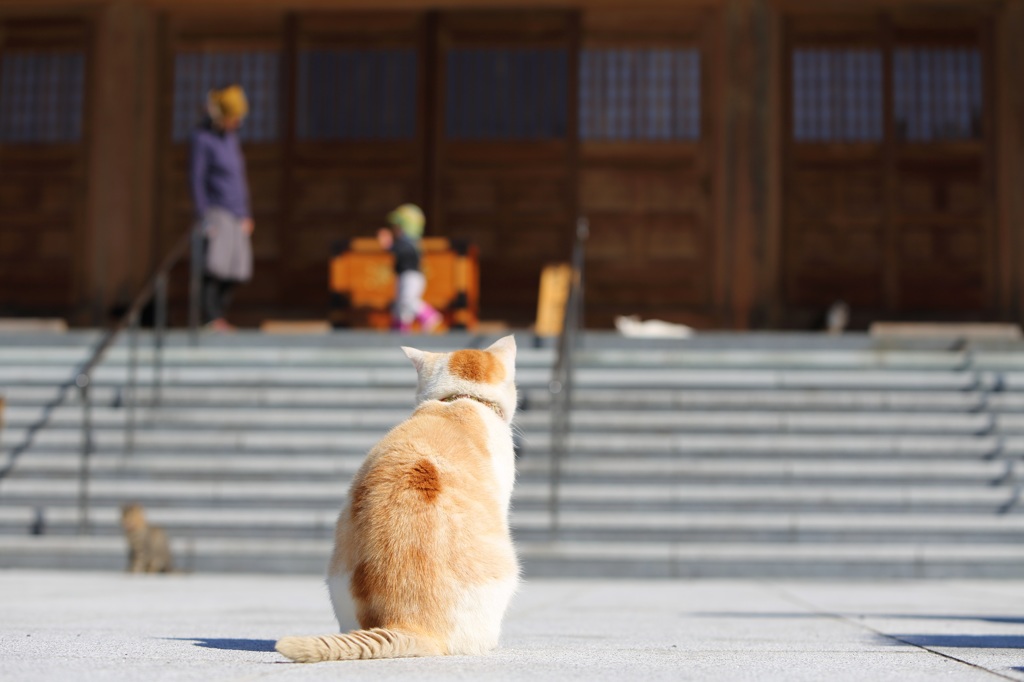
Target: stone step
<point>597,526</point>
<point>530,421</point>
<point>585,377</point>
<point>391,355</point>
<point>591,496</point>
<point>559,558</point>
<point>539,399</point>
<point>204,358</point>
<point>824,560</point>
<point>384,350</point>
<point>244,466</point>
<point>805,400</point>
<point>813,446</point>
<point>225,396</point>
<point>257,376</point>
<point>639,445</point>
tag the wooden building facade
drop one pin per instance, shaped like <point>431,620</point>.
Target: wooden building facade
<point>742,163</point>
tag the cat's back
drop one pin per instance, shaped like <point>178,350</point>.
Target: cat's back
<point>426,495</point>
<point>443,454</point>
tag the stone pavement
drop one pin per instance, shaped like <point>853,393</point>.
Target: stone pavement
<point>59,626</point>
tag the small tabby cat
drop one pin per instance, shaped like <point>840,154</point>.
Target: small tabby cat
<point>423,559</point>
<point>148,549</point>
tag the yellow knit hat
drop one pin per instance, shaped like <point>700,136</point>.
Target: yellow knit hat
<point>409,219</point>
<point>229,102</point>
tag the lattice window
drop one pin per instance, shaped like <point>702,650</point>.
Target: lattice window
<point>507,93</point>
<point>937,93</point>
<point>640,94</point>
<point>837,95</point>
<point>198,72</point>
<point>357,94</point>
<point>42,94</point>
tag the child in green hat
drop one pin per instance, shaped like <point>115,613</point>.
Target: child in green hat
<point>402,238</point>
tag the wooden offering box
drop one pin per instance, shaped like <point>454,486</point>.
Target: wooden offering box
<point>362,282</point>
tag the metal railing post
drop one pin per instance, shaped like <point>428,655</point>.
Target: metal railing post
<point>562,378</point>
<point>132,381</point>
<point>582,235</point>
<point>84,526</point>
<point>558,446</point>
<point>159,327</point>
<point>195,283</point>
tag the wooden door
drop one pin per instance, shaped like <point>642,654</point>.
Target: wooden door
<point>943,215</point>
<point>357,141</point>
<point>504,147</point>
<point>43,67</point>
<point>887,199</point>
<point>646,130</point>
<point>201,54</point>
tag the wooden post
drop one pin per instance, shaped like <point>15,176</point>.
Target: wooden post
<point>748,120</point>
<point>121,169</point>
<point>1009,62</point>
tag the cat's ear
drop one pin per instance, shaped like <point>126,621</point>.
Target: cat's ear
<point>505,348</point>
<point>418,357</point>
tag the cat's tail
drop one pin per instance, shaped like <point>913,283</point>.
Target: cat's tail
<point>372,643</point>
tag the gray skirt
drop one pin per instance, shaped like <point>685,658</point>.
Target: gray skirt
<point>228,247</point>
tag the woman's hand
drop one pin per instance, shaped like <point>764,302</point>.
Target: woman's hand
<point>248,226</point>
<point>385,238</point>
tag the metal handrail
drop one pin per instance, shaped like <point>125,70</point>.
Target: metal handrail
<point>155,289</point>
<point>82,377</point>
<point>562,375</point>
<point>984,387</point>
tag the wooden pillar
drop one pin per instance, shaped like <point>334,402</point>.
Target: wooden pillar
<point>1009,63</point>
<point>748,225</point>
<point>120,226</point>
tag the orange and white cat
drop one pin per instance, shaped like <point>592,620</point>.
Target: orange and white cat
<point>423,561</point>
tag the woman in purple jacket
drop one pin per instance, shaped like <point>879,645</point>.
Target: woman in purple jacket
<point>220,193</point>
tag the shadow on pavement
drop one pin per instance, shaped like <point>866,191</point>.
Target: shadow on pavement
<point>908,616</point>
<point>964,641</point>
<point>921,640</point>
<point>230,644</point>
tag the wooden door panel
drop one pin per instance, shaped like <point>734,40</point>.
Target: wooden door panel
<point>682,239</point>
<point>835,234</point>
<point>504,170</point>
<point>646,289</point>
<point>899,224</point>
<point>42,164</point>
<point>817,289</point>
<point>358,147</point>
<point>937,189</point>
<point>645,168</point>
<point>847,195</point>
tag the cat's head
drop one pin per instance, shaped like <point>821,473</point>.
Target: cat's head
<point>487,375</point>
<point>133,516</point>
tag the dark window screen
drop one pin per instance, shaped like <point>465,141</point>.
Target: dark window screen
<point>41,96</point>
<point>937,93</point>
<point>507,93</point>
<point>837,95</point>
<point>640,94</point>
<point>362,94</point>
